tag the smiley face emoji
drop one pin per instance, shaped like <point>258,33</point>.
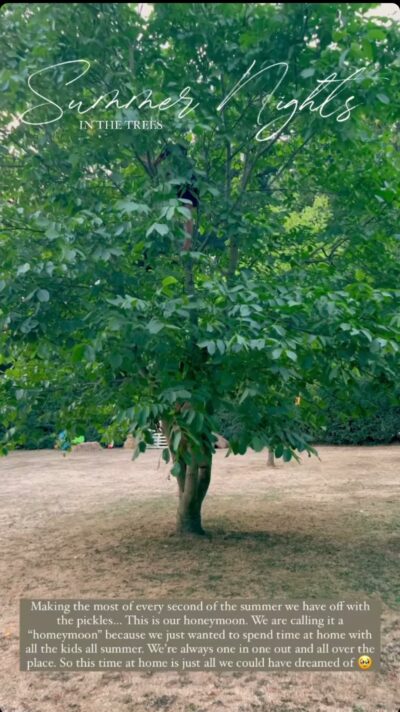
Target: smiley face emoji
<point>364,662</point>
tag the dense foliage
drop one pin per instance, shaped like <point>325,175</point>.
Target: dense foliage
<point>374,419</point>
<point>290,281</point>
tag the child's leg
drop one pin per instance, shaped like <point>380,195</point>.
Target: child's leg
<point>189,225</point>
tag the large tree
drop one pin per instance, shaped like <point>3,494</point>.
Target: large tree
<point>123,306</point>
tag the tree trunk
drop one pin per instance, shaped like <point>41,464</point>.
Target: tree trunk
<point>193,482</point>
<point>191,496</point>
<point>271,458</point>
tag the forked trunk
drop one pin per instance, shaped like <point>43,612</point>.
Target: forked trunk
<point>193,486</point>
<point>193,482</point>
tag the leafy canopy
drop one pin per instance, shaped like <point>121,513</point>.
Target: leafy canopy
<point>290,283</point>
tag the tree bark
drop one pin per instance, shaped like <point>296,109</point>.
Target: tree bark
<point>191,498</point>
<point>204,481</point>
<point>193,482</point>
<point>271,458</point>
<point>181,478</point>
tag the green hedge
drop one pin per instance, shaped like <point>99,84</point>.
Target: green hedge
<point>366,417</point>
<point>380,426</point>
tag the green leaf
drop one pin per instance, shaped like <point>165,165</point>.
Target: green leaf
<point>143,416</point>
<point>155,326</point>
<point>244,395</point>
<point>130,206</point>
<point>257,444</point>
<point>176,439</point>
<point>23,269</point>
<point>168,281</point>
<point>185,212</point>
<point>82,352</point>
<point>158,227</point>
<point>209,345</point>
<point>287,455</point>
<point>43,295</point>
<point>309,72</point>
<point>376,34</point>
<point>90,354</point>
<point>166,455</point>
<point>52,233</point>
<point>176,469</point>
<point>115,361</point>
<point>78,353</point>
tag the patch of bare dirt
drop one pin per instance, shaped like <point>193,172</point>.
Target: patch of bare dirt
<point>96,524</point>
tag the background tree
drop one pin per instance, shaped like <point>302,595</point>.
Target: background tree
<point>290,282</point>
